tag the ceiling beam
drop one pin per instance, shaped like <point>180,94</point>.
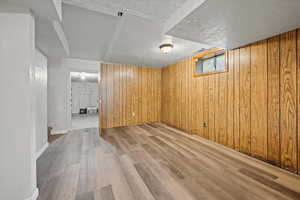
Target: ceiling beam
<point>61,36</point>
<point>51,39</point>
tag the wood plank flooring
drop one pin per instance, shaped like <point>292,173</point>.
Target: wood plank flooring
<point>155,162</point>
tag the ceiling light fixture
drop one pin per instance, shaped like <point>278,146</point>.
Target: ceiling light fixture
<point>166,48</point>
<point>82,76</point>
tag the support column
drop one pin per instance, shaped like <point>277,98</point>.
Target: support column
<point>17,139</point>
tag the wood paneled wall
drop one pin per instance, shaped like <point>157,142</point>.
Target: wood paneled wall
<point>129,95</point>
<point>253,108</point>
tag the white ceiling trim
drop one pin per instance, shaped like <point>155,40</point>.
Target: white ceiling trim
<point>188,7</point>
<point>113,10</point>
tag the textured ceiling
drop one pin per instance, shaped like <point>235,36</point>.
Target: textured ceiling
<point>139,41</point>
<point>128,40</point>
<point>94,30</point>
<point>233,23</point>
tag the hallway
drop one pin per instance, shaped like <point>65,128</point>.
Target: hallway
<point>84,122</point>
<point>153,161</point>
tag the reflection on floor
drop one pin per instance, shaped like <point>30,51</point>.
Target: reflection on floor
<point>84,121</point>
<point>155,162</point>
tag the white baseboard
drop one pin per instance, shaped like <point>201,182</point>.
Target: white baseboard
<point>55,132</point>
<point>41,151</point>
<point>35,195</point>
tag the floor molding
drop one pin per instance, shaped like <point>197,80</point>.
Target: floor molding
<point>41,151</point>
<point>56,132</point>
<point>35,195</point>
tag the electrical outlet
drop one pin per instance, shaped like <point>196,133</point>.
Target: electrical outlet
<point>204,124</point>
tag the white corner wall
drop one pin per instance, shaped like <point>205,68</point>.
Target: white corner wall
<point>40,88</point>
<point>17,138</point>
<point>58,78</point>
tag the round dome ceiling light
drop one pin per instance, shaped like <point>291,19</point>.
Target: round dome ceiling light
<point>82,76</point>
<point>166,48</point>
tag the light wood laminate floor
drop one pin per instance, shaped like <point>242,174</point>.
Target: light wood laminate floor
<point>155,162</point>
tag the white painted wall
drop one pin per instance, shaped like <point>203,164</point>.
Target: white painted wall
<point>40,86</point>
<point>84,94</point>
<point>17,138</point>
<point>59,90</point>
<point>58,78</point>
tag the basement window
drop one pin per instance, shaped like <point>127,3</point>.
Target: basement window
<point>210,62</point>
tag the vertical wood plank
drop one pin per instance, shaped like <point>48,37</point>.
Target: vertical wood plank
<point>188,96</point>
<point>127,102</point>
<point>179,98</point>
<point>190,120</point>
<point>184,95</point>
<point>211,101</point>
<point>148,94</point>
<point>298,97</point>
<point>245,100</point>
<point>120,95</point>
<point>110,96</point>
<point>131,94</point>
<point>236,128</point>
<point>135,94</point>
<point>200,109</point>
<point>164,98</point>
<point>140,88</point>
<point>197,99</point>
<point>223,137</point>
<point>151,105</point>
<point>259,99</point>
<point>103,96</point>
<point>124,71</point>
<point>288,100</point>
<point>217,115</point>
<point>144,95</point>
<point>116,96</point>
<point>230,100</point>
<point>160,95</point>
<point>273,101</point>
<point>205,123</point>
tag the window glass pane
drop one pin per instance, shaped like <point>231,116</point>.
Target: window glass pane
<point>199,67</point>
<point>209,65</point>
<point>220,62</point>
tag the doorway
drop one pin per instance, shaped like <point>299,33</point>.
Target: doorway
<point>84,100</point>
